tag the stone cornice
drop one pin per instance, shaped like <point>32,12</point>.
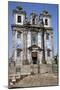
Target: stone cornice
<point>30,27</point>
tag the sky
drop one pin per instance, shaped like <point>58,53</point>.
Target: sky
<point>38,8</point>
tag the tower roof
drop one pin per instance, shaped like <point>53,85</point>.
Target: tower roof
<point>45,13</point>
<point>19,10</point>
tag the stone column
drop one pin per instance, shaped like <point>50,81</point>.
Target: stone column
<point>29,55</point>
<point>43,44</point>
<point>24,46</point>
<point>14,45</point>
<point>21,48</point>
<point>52,52</point>
<point>13,66</point>
<point>39,39</point>
<point>28,45</point>
<point>28,39</point>
<point>45,47</point>
<point>40,45</point>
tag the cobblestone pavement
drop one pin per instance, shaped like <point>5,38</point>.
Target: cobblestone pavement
<point>47,79</point>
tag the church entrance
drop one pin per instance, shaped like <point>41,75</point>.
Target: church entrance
<point>34,57</point>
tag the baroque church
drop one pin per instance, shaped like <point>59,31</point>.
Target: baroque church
<point>32,38</point>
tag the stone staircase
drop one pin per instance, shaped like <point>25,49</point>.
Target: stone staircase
<point>28,70</point>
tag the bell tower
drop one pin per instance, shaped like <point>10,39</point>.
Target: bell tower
<point>19,16</point>
<point>17,33</point>
<point>46,18</point>
<point>47,39</point>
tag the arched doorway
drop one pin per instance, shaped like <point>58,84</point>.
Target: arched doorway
<point>34,57</point>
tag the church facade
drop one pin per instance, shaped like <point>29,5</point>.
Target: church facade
<point>32,38</point>
<point>32,44</point>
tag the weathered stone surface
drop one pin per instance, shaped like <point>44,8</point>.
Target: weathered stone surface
<point>47,79</point>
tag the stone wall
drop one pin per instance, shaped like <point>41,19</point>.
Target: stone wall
<point>27,69</point>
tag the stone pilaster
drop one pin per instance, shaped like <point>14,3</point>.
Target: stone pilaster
<point>28,39</point>
<point>45,47</point>
<point>52,52</point>
<point>24,46</point>
<point>39,39</point>
<point>21,48</point>
<point>14,45</point>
